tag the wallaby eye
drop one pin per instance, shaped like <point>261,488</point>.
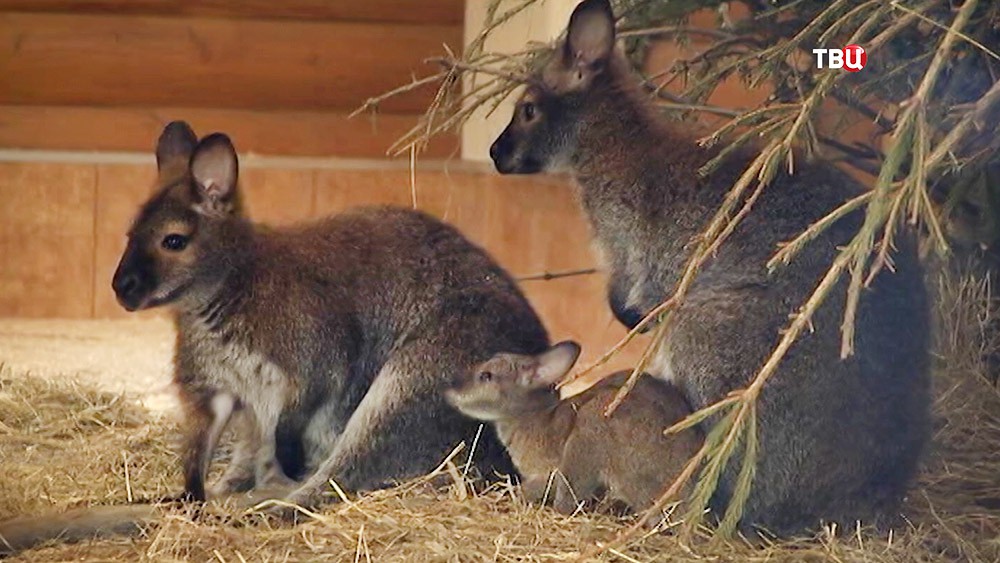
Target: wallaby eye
<point>485,376</point>
<point>174,242</point>
<point>529,111</point>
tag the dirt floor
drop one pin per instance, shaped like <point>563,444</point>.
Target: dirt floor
<point>81,424</point>
<point>120,356</point>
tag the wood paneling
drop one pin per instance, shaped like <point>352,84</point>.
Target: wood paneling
<point>46,240</point>
<point>337,190</point>
<point>272,133</point>
<point>203,62</point>
<point>400,11</point>
<point>276,196</point>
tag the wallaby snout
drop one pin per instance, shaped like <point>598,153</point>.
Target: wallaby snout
<point>132,282</point>
<point>508,160</point>
<point>629,316</point>
<point>501,151</point>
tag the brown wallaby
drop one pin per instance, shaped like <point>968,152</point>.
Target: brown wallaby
<point>338,333</point>
<point>328,343</point>
<point>627,455</point>
<point>839,439</point>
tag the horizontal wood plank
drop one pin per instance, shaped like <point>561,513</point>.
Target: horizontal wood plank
<point>398,11</point>
<point>204,62</point>
<point>270,133</point>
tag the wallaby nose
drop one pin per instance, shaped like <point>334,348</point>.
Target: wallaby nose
<point>498,153</point>
<point>495,149</point>
<point>630,317</point>
<point>125,285</point>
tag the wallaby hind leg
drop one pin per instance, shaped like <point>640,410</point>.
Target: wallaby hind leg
<point>573,488</point>
<point>579,477</point>
<point>537,489</point>
<point>269,473</point>
<point>200,444</point>
<point>639,492</point>
<point>402,427</point>
<point>239,474</point>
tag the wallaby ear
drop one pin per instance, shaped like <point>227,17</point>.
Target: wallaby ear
<point>214,168</point>
<point>175,145</point>
<point>590,35</point>
<point>555,363</point>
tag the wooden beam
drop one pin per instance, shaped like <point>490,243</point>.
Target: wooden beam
<point>204,62</point>
<point>396,11</point>
<point>271,133</point>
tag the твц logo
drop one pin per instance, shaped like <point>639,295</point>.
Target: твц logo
<point>852,58</point>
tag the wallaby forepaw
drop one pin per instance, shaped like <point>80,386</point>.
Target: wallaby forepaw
<point>224,487</point>
<point>277,480</point>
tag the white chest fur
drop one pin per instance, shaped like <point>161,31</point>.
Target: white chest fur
<point>231,367</point>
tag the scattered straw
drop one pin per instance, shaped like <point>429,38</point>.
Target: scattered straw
<point>63,445</point>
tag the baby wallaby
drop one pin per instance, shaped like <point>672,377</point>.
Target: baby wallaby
<point>839,439</point>
<point>336,335</point>
<point>570,447</point>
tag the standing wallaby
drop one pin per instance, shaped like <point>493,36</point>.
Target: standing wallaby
<point>839,440</point>
<point>627,455</point>
<point>338,334</point>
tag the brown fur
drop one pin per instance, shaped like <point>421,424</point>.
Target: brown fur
<point>328,342</point>
<point>839,439</point>
<point>25,532</point>
<point>570,445</point>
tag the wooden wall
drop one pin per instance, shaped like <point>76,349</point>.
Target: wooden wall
<point>282,76</point>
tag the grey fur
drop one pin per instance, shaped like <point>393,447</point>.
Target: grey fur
<point>332,339</point>
<point>839,439</point>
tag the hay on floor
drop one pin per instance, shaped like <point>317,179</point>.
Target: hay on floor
<point>65,445</point>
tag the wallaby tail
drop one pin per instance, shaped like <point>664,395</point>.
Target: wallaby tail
<point>24,532</point>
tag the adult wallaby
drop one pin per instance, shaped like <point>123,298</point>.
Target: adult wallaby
<point>839,439</point>
<point>344,329</point>
<point>329,342</point>
<point>570,446</point>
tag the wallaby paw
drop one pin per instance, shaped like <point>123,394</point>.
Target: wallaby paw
<point>224,487</point>
<point>184,497</point>
<point>276,480</point>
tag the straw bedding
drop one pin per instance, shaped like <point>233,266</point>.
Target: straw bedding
<point>65,444</point>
